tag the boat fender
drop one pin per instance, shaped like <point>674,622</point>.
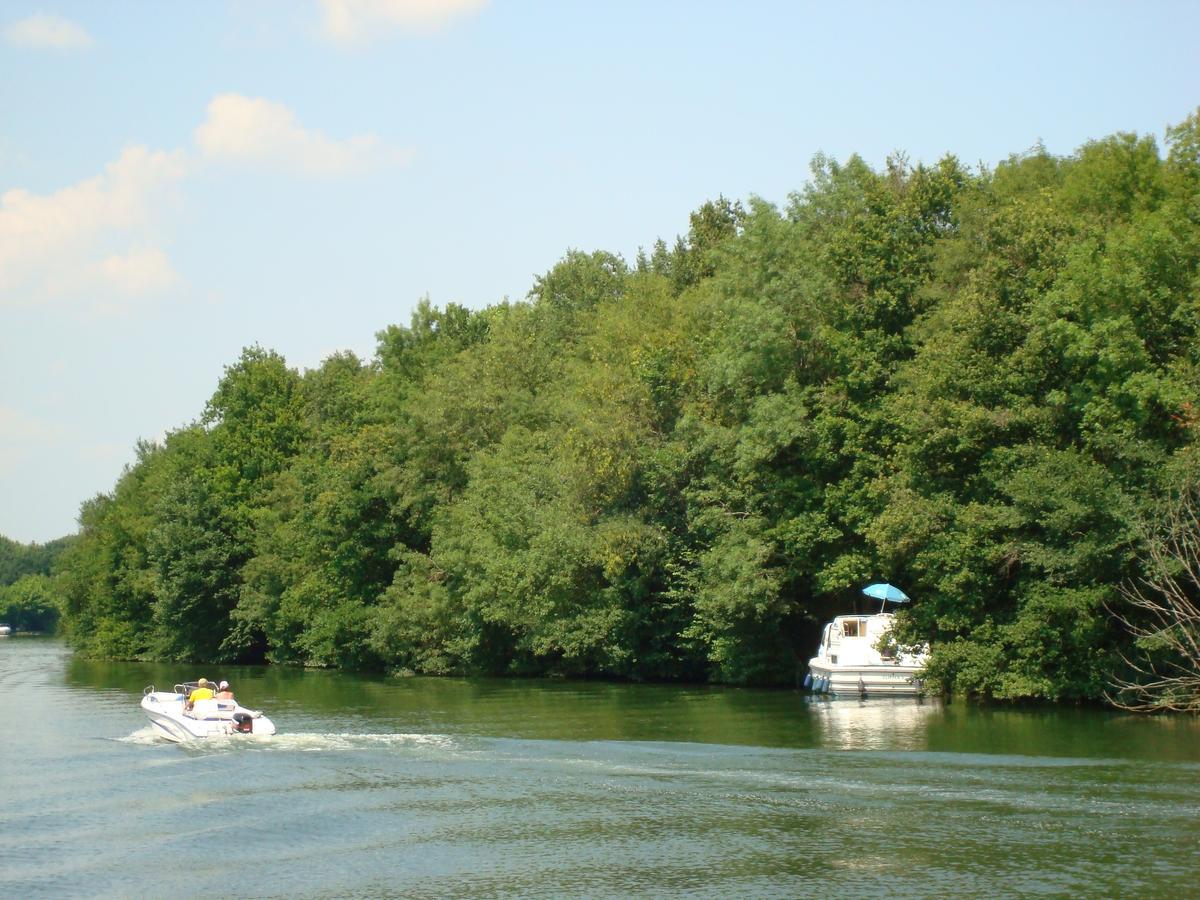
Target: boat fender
<point>862,687</point>
<point>808,680</point>
<point>243,722</point>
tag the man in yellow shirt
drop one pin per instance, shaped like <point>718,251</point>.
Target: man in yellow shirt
<point>202,691</point>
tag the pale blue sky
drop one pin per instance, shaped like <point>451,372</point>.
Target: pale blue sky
<point>181,180</point>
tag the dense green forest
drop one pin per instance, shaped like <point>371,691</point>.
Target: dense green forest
<point>977,383</point>
<point>28,599</point>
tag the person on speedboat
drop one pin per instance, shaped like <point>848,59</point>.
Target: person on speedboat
<point>224,691</point>
<point>202,691</point>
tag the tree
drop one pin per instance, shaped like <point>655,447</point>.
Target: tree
<point>256,420</point>
<point>972,383</point>
<point>30,604</point>
<point>197,560</point>
<point>18,560</point>
<point>581,281</point>
<point>1162,613</point>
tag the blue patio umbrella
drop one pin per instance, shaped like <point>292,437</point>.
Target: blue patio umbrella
<point>885,592</point>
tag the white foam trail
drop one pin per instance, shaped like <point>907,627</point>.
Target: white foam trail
<point>145,736</point>
<point>311,742</point>
<point>303,742</point>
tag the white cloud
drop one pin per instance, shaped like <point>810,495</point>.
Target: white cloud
<point>352,21</point>
<point>57,243</point>
<point>96,243</point>
<point>20,426</point>
<point>257,131</point>
<point>145,270</point>
<point>21,435</point>
<point>47,31</point>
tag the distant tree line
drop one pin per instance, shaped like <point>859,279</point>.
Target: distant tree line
<point>976,384</point>
<point>28,601</point>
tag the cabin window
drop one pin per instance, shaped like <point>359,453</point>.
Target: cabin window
<point>854,628</point>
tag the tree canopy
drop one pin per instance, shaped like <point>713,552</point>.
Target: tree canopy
<point>976,383</point>
<point>28,598</point>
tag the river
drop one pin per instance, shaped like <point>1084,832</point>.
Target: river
<point>418,787</point>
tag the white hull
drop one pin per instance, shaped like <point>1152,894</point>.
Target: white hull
<point>209,718</point>
<point>869,681</point>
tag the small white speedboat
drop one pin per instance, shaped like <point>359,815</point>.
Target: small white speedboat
<point>172,719</point>
<point>5,631</point>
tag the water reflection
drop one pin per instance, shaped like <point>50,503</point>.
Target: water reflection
<point>873,724</point>
<point>299,699</point>
<point>321,701</point>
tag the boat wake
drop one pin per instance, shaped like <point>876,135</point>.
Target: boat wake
<point>303,742</point>
<point>145,736</point>
<point>312,742</point>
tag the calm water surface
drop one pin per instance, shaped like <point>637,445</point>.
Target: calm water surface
<point>380,787</point>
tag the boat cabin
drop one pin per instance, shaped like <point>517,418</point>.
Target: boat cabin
<point>856,641</point>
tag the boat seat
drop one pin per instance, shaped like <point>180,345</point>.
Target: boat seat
<point>203,709</point>
<point>212,709</point>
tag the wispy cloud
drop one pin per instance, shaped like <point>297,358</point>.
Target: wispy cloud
<point>47,32</point>
<point>94,245</point>
<point>22,435</point>
<point>144,270</point>
<point>95,234</point>
<point>255,131</point>
<point>349,22</point>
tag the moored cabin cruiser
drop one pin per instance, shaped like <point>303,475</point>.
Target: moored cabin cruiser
<point>856,658</point>
<point>174,720</point>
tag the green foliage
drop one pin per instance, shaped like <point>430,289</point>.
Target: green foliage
<point>972,383</point>
<point>255,420</point>
<point>30,604</point>
<point>18,560</point>
<point>195,556</point>
<point>29,598</point>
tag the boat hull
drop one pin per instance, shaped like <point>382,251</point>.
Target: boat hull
<point>170,720</point>
<point>869,680</point>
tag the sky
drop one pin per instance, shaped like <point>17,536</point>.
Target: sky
<point>179,181</point>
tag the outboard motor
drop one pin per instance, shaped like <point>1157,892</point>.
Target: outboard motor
<point>243,722</point>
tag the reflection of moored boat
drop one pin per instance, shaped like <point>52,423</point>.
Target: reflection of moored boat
<point>887,724</point>
<point>857,658</point>
<point>172,719</point>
